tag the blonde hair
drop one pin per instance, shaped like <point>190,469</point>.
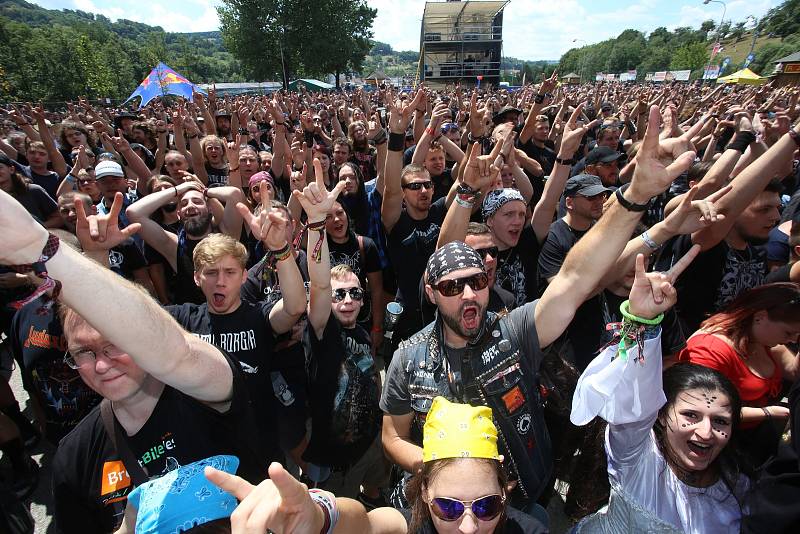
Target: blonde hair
<point>214,247</point>
<point>207,140</point>
<point>341,272</point>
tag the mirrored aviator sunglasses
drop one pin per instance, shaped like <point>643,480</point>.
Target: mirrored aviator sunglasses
<point>485,509</point>
<point>356,293</point>
<point>451,288</point>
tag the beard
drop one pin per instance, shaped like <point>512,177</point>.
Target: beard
<point>454,321</point>
<point>199,225</point>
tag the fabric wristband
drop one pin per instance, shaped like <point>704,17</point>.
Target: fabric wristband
<point>652,245</point>
<point>627,204</point>
<point>397,142</point>
<point>327,502</point>
<point>741,141</point>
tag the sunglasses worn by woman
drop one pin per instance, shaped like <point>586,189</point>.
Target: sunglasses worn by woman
<point>460,489</point>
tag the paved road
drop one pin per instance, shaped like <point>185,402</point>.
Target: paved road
<point>42,501</point>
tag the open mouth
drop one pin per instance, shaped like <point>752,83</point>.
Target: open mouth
<point>470,317</point>
<point>699,449</point>
<point>218,299</point>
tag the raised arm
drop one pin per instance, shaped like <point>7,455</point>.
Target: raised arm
<point>154,341</point>
<point>56,158</point>
<point>317,202</point>
<point>597,251</point>
<point>231,222</point>
<point>538,103</point>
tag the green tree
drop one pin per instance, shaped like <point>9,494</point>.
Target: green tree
<point>707,27</point>
<point>692,56</point>
<point>738,31</point>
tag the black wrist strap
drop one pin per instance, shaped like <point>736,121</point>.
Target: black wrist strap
<point>741,141</point>
<point>627,204</point>
<point>397,142</point>
<point>569,162</point>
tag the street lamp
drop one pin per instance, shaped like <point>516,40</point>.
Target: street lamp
<point>582,62</point>
<point>719,28</point>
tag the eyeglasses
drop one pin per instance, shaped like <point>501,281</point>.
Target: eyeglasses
<point>451,288</point>
<point>356,293</point>
<point>257,188</point>
<point>490,251</point>
<point>416,186</point>
<point>485,508</point>
<point>87,357</point>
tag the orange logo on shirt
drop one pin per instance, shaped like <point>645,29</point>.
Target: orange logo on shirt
<point>115,477</point>
<point>514,399</point>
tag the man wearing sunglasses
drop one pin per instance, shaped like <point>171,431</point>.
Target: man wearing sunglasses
<point>475,357</point>
<point>344,451</point>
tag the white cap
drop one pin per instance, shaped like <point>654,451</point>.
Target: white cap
<point>108,168</point>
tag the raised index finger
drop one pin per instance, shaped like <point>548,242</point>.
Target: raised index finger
<point>318,174</point>
<point>650,142</point>
<point>236,486</point>
<point>116,207</point>
<point>682,263</point>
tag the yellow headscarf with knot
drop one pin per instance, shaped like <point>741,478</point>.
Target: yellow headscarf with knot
<point>458,431</point>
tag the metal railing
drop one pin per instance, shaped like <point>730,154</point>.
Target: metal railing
<point>436,33</point>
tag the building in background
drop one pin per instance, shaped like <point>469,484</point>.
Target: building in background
<point>787,70</point>
<point>461,41</point>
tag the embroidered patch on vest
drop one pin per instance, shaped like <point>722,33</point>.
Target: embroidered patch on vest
<point>514,399</point>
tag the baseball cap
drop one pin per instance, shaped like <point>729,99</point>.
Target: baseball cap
<point>603,154</point>
<point>585,185</point>
<point>108,168</point>
<point>222,113</point>
<point>606,106</point>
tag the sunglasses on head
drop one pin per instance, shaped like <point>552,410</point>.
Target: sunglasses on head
<point>416,186</point>
<point>356,293</point>
<point>485,508</point>
<point>490,251</point>
<point>451,288</point>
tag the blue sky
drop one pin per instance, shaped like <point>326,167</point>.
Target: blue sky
<point>533,29</point>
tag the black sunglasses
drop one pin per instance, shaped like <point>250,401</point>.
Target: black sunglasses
<point>416,186</point>
<point>490,251</point>
<point>451,288</point>
<point>485,508</point>
<point>356,293</point>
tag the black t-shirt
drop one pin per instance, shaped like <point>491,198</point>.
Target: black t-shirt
<point>38,203</point>
<point>91,484</point>
<point>516,523</point>
<point>39,345</point>
<point>185,289</point>
<point>49,182</point>
<point>442,184</point>
<point>713,279</point>
<point>246,336</point>
<point>411,242</point>
<point>217,177</point>
<point>344,390</point>
<point>587,328</point>
<point>126,258</point>
<point>516,267</point>
<point>545,155</point>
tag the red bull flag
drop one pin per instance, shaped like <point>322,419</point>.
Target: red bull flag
<point>163,81</point>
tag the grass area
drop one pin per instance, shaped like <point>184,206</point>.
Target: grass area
<point>738,51</point>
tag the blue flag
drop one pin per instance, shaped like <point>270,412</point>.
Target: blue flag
<point>162,81</point>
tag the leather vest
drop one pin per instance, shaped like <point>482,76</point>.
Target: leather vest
<point>503,377</point>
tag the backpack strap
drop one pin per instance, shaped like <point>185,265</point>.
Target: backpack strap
<point>137,473</point>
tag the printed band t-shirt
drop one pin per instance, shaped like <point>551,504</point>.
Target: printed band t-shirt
<point>39,345</point>
<point>246,336</point>
<point>91,484</point>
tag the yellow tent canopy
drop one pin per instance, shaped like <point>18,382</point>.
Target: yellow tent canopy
<point>744,76</point>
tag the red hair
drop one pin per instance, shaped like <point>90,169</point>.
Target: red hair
<point>780,300</point>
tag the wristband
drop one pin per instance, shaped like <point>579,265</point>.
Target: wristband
<point>627,204</point>
<point>465,203</point>
<point>327,502</point>
<point>569,162</point>
<point>624,309</point>
<point>430,131</point>
<point>397,142</point>
<point>70,179</point>
<point>766,412</point>
<point>48,251</point>
<point>231,169</point>
<point>176,190</point>
<point>652,245</point>
<point>472,139</point>
<point>741,141</point>
<point>316,253</point>
<point>377,329</point>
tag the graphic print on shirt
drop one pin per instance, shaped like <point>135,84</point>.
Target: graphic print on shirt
<point>115,484</point>
<point>511,276</point>
<point>232,342</point>
<point>164,447</point>
<point>355,414</point>
<point>739,274</point>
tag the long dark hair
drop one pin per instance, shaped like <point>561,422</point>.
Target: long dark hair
<point>356,206</point>
<point>683,377</point>
<point>781,301</point>
<point>415,490</point>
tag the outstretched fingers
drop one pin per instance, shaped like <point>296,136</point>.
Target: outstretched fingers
<point>681,265</point>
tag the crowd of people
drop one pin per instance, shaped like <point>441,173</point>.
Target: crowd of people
<point>427,310</point>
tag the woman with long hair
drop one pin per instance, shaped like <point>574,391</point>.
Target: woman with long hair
<point>746,342</point>
<point>354,196</point>
<point>74,135</point>
<point>461,488</point>
<point>671,461</point>
<point>323,154</point>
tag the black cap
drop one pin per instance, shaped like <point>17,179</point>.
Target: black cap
<point>606,106</point>
<point>222,113</point>
<point>499,117</point>
<point>603,154</point>
<point>585,185</point>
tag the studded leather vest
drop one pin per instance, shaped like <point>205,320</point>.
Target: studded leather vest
<point>496,372</point>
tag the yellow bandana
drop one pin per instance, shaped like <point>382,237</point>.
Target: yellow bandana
<point>458,431</point>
